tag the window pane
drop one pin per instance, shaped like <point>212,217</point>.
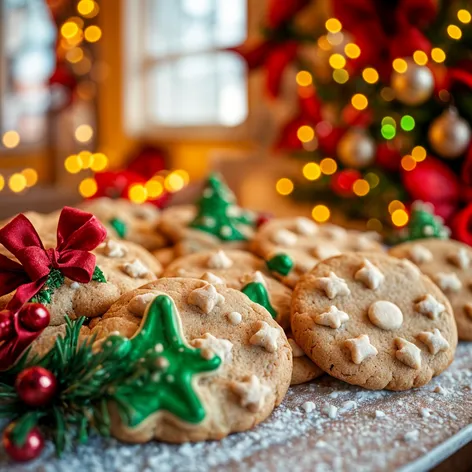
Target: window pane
<point>204,89</point>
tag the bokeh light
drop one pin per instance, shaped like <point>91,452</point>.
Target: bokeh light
<point>399,65</point>
<point>137,193</point>
<point>17,182</point>
<point>408,163</point>
<point>359,101</point>
<point>284,186</point>
<point>154,188</point>
<point>407,123</point>
<point>73,164</point>
<point>174,182</point>
<point>438,55</point>
<point>419,153</point>
<point>337,61</point>
<point>333,25</point>
<point>11,139</point>
<point>311,171</point>
<point>400,218</point>
<point>361,187</point>
<point>454,32</point>
<point>305,133</point>
<point>83,133</point>
<point>420,58</point>
<point>31,176</point>
<point>464,16</point>
<point>353,51</point>
<point>328,166</point>
<point>88,187</point>
<point>320,213</point>
<point>370,75</point>
<point>99,162</point>
<point>304,78</point>
<point>340,76</point>
<point>92,33</point>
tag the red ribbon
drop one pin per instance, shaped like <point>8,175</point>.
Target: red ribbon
<point>78,233</point>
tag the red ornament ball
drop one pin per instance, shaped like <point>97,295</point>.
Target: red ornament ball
<point>34,317</point>
<point>36,386</point>
<point>5,324</point>
<point>342,182</point>
<point>31,449</point>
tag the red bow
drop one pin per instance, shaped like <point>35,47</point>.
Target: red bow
<point>78,233</point>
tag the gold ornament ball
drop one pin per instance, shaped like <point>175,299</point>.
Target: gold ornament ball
<point>449,134</point>
<point>414,86</point>
<point>356,149</point>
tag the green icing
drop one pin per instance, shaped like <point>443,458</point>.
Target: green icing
<point>98,275</point>
<point>256,292</point>
<point>218,213</point>
<point>167,371</point>
<point>55,280</point>
<point>119,226</point>
<point>280,263</point>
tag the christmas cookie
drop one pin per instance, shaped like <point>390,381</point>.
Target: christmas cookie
<point>304,369</point>
<point>221,362</point>
<point>130,221</point>
<point>236,269</point>
<point>373,320</point>
<point>303,243</point>
<point>449,264</point>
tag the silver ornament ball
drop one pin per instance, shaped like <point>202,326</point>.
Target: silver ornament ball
<point>414,86</point>
<point>356,149</point>
<point>449,134</point>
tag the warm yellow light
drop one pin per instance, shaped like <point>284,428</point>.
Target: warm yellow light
<point>400,217</point>
<point>464,16</point>
<point>420,58</point>
<point>73,164</point>
<point>92,33</point>
<point>323,43</point>
<point>408,163</point>
<point>304,78</point>
<point>99,162</point>
<point>353,51</point>
<point>85,7</point>
<point>438,55</point>
<point>31,176</point>
<point>361,187</point>
<point>174,182</point>
<point>341,76</point>
<point>335,39</point>
<point>284,186</point>
<point>370,75</point>
<point>328,166</point>
<point>333,25</point>
<point>399,65</point>
<point>454,32</point>
<point>320,213</point>
<point>395,205</point>
<point>17,183</point>
<point>88,187</point>
<point>137,193</point>
<point>337,61</point>
<point>11,139</point>
<point>75,55</point>
<point>359,101</point>
<point>387,94</point>
<point>184,174</point>
<point>305,133</point>
<point>154,188</point>
<point>2,182</point>
<point>418,153</point>
<point>76,40</point>
<point>83,133</point>
<point>87,159</point>
<point>373,224</point>
<point>311,171</point>
<point>69,29</point>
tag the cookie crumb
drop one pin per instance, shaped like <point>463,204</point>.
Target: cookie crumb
<point>330,411</point>
<point>379,414</point>
<point>349,405</point>
<point>425,412</point>
<point>411,436</point>
<point>441,390</point>
<point>308,407</point>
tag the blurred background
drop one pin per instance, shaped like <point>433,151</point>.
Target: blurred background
<point>345,110</point>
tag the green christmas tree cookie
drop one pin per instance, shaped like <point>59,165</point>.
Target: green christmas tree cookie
<point>424,224</point>
<point>257,293</point>
<point>218,213</point>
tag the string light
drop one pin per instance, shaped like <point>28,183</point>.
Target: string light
<point>438,55</point>
<point>454,32</point>
<point>464,16</point>
<point>353,51</point>
<point>85,7</point>
<point>361,187</point>
<point>304,78</point>
<point>311,171</point>
<point>372,179</point>
<point>88,187</point>
<point>359,101</point>
<point>341,76</point>
<point>2,182</point>
<point>335,39</point>
<point>337,61</point>
<point>407,123</point>
<point>69,29</point>
<point>174,182</point>
<point>184,174</point>
<point>11,139</point>
<point>284,186</point>
<point>373,224</point>
<point>420,58</point>
<point>399,65</point>
<point>31,176</point>
<point>305,133</point>
<point>370,75</point>
<point>400,217</point>
<point>320,213</point>
<point>17,182</point>
<point>99,162</point>
<point>137,193</point>
<point>154,188</point>
<point>87,159</point>
<point>83,133</point>
<point>333,25</point>
<point>395,205</point>
<point>92,33</point>
<point>408,163</point>
<point>73,164</point>
<point>418,153</point>
<point>328,166</point>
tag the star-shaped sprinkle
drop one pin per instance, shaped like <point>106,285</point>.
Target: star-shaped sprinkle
<point>419,254</point>
<point>114,249</point>
<point>325,251</point>
<point>254,277</point>
<point>211,278</point>
<point>219,260</point>
<point>332,285</point>
<point>448,281</point>
<point>369,275</point>
<point>135,269</point>
<point>468,309</point>
<point>211,346</point>
<point>461,258</point>
<point>296,349</point>
<point>206,298</point>
<point>284,237</point>
<point>361,348</point>
<point>138,304</point>
<point>265,336</point>
<point>252,393</point>
<point>435,341</point>
<point>333,318</point>
<point>408,353</point>
<point>430,307</point>
<point>305,227</point>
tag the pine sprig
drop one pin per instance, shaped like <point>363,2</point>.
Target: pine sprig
<point>54,281</point>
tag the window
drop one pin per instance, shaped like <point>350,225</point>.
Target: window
<point>179,73</point>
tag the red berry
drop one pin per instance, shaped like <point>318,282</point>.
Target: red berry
<point>34,317</point>
<point>31,449</point>
<point>6,325</point>
<point>36,386</point>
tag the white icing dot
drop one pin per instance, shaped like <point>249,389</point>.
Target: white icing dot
<point>75,285</point>
<point>284,237</point>
<point>385,315</point>
<point>235,318</point>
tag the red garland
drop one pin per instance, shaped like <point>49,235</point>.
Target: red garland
<point>78,233</point>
